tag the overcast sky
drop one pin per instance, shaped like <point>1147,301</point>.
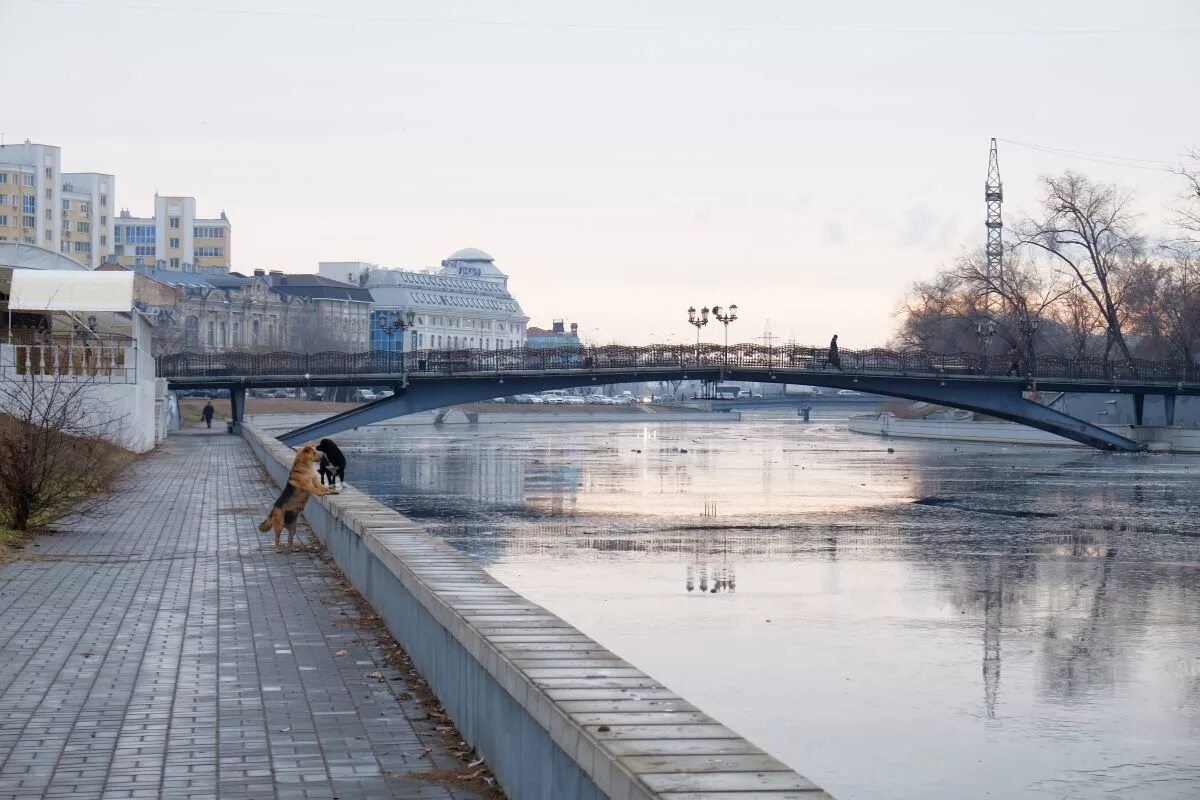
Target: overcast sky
<point>620,160</point>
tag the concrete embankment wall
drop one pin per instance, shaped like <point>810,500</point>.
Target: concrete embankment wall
<point>556,715</point>
<point>1176,440</point>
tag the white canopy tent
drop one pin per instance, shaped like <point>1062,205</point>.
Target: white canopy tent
<point>63,290</point>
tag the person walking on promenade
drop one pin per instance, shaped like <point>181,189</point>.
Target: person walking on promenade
<point>834,359</point>
<point>1014,361</point>
<point>207,413</point>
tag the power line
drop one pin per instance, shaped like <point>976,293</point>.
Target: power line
<point>629,26</point>
<point>1116,161</point>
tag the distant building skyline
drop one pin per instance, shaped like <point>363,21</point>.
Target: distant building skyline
<point>75,213</point>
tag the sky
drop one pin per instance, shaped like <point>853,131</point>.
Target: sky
<point>620,160</point>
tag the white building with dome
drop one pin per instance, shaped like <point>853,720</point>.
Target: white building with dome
<point>463,305</point>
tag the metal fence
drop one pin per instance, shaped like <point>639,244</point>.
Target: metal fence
<point>621,357</point>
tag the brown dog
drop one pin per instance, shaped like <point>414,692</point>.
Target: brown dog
<point>302,482</point>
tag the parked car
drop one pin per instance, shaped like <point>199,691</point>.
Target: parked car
<point>574,401</point>
<point>363,395</point>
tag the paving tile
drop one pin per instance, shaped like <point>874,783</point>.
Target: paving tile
<point>163,649</point>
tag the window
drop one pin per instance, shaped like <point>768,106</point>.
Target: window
<point>212,334</point>
<point>174,263</point>
<point>191,331</point>
<point>103,239</point>
<point>47,236</point>
<point>174,222</point>
<point>3,177</point>
<point>103,200</point>
<point>29,204</point>
<point>66,206</point>
<point>174,244</point>
<point>119,250</point>
<point>49,194</point>
<point>84,208</point>
<point>3,219</point>
<point>211,252</point>
<point>83,247</point>
<point>65,247</point>
<point>217,232</point>
<point>137,234</point>
<point>49,172</point>
<point>28,180</point>
<point>49,215</point>
<point>237,333</point>
<point>224,336</point>
<point>30,222</point>
<point>83,227</point>
<point>3,199</point>
<point>144,250</point>
<point>254,332</point>
<point>104,220</point>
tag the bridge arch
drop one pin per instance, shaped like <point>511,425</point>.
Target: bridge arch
<point>998,397</point>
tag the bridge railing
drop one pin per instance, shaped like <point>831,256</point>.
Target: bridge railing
<point>627,357</point>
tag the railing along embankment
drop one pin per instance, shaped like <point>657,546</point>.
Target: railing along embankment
<point>555,714</point>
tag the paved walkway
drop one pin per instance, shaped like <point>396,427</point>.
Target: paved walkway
<point>165,650</point>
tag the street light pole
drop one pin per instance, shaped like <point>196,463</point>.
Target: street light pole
<point>390,322</point>
<point>985,330</point>
<point>699,321</point>
<point>725,318</point>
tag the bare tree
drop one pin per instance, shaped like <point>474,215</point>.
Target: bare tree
<point>939,315</point>
<point>1079,324</point>
<point>1027,288</point>
<point>1089,229</point>
<point>56,434</point>
<point>1188,211</point>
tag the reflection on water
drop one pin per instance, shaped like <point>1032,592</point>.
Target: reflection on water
<point>937,621</point>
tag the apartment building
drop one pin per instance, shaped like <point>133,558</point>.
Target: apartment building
<point>86,234</point>
<point>29,194</point>
<point>174,238</point>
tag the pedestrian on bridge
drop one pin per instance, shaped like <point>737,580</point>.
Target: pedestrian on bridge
<point>207,413</point>
<point>1014,362</point>
<point>834,359</point>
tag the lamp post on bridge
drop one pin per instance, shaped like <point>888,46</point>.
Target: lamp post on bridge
<point>725,318</point>
<point>1028,327</point>
<point>391,323</point>
<point>985,330</point>
<point>699,321</point>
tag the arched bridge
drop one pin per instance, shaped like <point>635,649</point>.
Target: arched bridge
<point>428,379</point>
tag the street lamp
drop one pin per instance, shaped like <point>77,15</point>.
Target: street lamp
<point>725,318</point>
<point>1028,327</point>
<point>699,321</point>
<point>985,330</point>
<point>391,322</point>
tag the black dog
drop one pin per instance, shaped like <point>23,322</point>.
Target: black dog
<point>333,463</point>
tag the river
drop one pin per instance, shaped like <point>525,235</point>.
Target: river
<point>894,619</point>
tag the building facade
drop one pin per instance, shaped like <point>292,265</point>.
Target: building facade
<point>465,304</point>
<point>86,232</point>
<point>204,313</point>
<point>174,238</point>
<point>29,194</point>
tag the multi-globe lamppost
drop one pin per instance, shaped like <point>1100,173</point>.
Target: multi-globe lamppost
<point>391,323</point>
<point>725,318</point>
<point>699,321</point>
<point>985,330</point>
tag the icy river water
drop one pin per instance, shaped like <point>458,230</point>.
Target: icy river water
<point>941,621</point>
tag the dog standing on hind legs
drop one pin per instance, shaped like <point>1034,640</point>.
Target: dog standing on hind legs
<point>301,483</point>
